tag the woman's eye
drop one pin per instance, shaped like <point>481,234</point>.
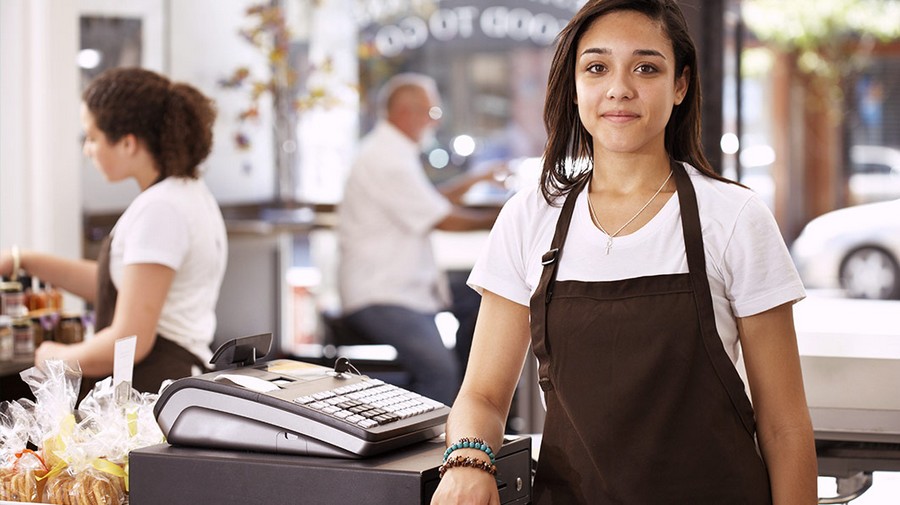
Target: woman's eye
<point>646,69</point>
<point>595,68</point>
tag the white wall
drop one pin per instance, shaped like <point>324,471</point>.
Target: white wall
<point>98,195</point>
<point>42,172</point>
<point>41,95</point>
<point>45,183</point>
<point>202,53</point>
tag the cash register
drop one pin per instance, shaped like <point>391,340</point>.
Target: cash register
<point>270,432</point>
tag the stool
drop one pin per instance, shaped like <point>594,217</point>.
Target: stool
<point>376,360</point>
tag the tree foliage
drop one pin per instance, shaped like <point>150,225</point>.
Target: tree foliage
<point>826,34</point>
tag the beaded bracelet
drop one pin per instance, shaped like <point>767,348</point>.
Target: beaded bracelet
<point>471,443</point>
<point>466,461</point>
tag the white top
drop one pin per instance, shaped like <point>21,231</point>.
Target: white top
<point>177,223</point>
<point>386,217</point>
<point>747,262</point>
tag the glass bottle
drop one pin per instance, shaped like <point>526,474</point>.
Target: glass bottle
<point>12,299</point>
<point>70,329</point>
<point>27,291</point>
<point>6,338</point>
<point>54,297</point>
<point>38,298</point>
<point>23,337</point>
<point>37,328</point>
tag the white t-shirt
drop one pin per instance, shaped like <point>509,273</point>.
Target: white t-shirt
<point>385,221</point>
<point>177,223</point>
<point>748,265</point>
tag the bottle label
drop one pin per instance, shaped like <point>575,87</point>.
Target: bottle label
<point>23,339</point>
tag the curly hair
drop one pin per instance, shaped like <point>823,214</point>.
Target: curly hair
<point>569,142</point>
<point>174,120</point>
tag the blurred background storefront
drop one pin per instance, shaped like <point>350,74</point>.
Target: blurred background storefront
<point>801,103</point>
<point>800,98</point>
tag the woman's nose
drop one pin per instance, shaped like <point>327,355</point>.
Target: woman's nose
<point>620,87</point>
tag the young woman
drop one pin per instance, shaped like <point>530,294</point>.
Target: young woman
<point>159,272</point>
<point>639,276</point>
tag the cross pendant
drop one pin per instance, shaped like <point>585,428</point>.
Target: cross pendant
<point>608,245</point>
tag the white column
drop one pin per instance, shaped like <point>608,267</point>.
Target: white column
<point>40,190</point>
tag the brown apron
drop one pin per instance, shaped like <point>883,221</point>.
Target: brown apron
<point>167,360</point>
<point>644,405</point>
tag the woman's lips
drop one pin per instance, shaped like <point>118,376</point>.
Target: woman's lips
<point>620,116</point>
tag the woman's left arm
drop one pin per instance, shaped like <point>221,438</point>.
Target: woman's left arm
<point>784,429</point>
<point>141,296</point>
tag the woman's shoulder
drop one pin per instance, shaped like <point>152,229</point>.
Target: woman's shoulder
<point>528,205</point>
<point>173,196</point>
<point>174,189</point>
<point>181,184</point>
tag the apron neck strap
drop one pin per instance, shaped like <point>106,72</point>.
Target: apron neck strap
<point>696,259</point>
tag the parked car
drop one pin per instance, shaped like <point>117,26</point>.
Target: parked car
<point>874,173</point>
<point>856,249</point>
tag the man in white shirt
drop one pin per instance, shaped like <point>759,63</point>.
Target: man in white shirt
<point>390,286</point>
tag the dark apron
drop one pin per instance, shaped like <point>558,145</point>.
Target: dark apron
<point>644,405</point>
<point>167,360</point>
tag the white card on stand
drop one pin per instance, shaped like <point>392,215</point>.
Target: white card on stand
<point>123,360</point>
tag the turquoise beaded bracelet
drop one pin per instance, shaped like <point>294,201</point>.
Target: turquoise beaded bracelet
<point>470,443</point>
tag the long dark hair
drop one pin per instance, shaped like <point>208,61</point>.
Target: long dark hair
<point>174,120</point>
<point>568,141</point>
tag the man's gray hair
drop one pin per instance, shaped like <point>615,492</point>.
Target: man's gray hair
<point>402,81</point>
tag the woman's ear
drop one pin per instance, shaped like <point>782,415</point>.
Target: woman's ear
<point>681,85</point>
<point>130,143</point>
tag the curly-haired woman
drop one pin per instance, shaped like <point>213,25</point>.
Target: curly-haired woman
<point>159,272</point>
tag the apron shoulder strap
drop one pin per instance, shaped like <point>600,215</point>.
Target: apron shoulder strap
<point>544,291</point>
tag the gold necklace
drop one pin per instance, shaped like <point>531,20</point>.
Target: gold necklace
<point>611,236</point>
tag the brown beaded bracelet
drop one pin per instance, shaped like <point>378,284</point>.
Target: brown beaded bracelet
<point>469,462</point>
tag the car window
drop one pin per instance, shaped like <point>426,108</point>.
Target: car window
<point>871,168</point>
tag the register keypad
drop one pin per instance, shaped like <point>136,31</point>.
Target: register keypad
<point>369,403</point>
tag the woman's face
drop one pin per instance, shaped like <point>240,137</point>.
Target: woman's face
<point>625,83</point>
<point>107,157</point>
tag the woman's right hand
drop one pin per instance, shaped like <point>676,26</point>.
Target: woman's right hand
<point>466,486</point>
